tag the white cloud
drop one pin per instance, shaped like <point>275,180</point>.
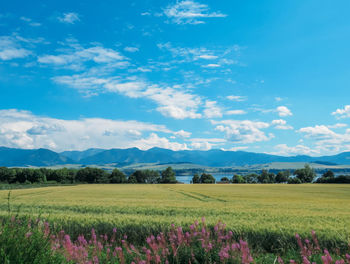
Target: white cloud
<point>161,142</point>
<point>317,132</point>
<point>182,133</point>
<point>281,124</point>
<point>189,12</point>
<point>201,145</point>
<point>211,110</point>
<point>205,143</point>
<point>207,57</point>
<point>284,150</point>
<point>342,113</point>
<point>283,111</point>
<point>211,65</point>
<point>236,112</point>
<point>10,48</point>
<point>69,18</point>
<point>174,103</point>
<point>243,131</point>
<point>236,98</point>
<point>22,129</point>
<point>326,140</point>
<point>131,49</point>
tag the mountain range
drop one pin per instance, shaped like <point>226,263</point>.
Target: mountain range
<point>12,157</point>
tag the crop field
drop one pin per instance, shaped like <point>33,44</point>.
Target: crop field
<point>267,216</point>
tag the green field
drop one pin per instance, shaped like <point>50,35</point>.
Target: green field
<point>267,215</point>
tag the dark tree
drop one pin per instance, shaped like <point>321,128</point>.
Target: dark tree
<point>237,179</point>
<point>328,174</point>
<point>224,179</point>
<point>207,178</point>
<point>140,177</point>
<point>132,179</point>
<point>266,177</point>
<point>117,177</point>
<point>196,178</point>
<point>168,176</point>
<point>7,175</point>
<point>294,180</point>
<point>282,176</point>
<point>92,175</point>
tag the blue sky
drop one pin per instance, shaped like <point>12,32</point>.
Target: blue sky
<point>261,76</point>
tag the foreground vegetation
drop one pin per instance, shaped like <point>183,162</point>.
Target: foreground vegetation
<point>35,242</point>
<point>267,216</point>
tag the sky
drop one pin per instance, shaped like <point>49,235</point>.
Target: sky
<point>261,76</point>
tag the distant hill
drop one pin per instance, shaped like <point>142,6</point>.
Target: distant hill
<point>77,155</point>
<point>11,157</point>
<point>212,158</point>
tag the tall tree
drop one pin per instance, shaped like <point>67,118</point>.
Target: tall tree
<point>307,174</point>
<point>117,177</point>
<point>168,176</point>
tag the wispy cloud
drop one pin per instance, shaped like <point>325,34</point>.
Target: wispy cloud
<point>11,48</point>
<point>235,112</point>
<point>171,102</point>
<point>190,12</point>
<point>189,54</point>
<point>212,110</point>
<point>69,18</point>
<point>131,49</point>
<point>75,57</point>
<point>236,98</point>
<point>30,21</point>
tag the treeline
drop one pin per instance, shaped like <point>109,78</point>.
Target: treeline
<point>304,175</point>
<point>96,175</point>
<point>85,175</point>
<point>329,177</point>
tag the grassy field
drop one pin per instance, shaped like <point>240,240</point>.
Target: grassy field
<point>267,216</point>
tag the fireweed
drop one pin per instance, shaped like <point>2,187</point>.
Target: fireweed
<point>200,244</point>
